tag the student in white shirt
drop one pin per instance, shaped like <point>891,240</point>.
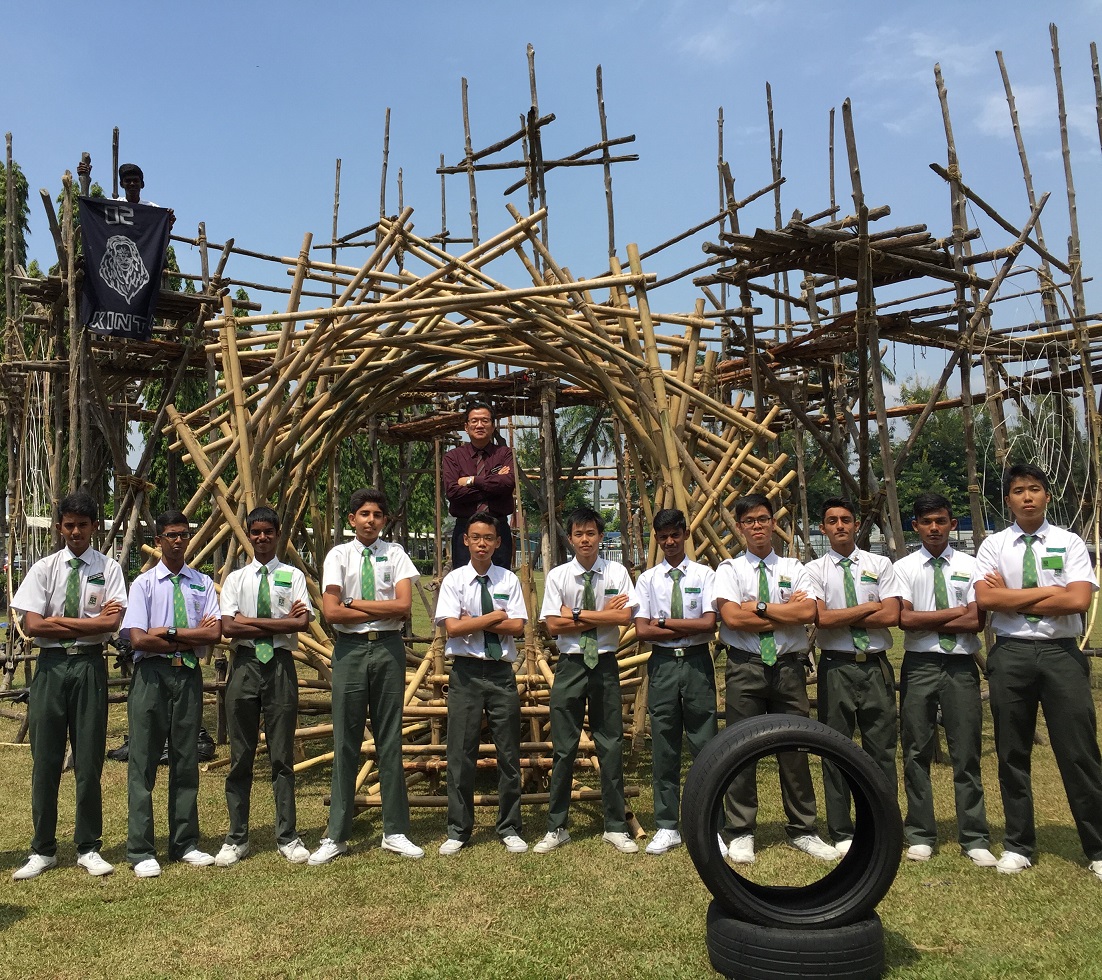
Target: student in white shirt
<point>1036,580</point>
<point>940,621</point>
<point>677,616</point>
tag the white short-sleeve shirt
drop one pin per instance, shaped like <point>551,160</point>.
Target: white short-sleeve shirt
<point>564,587</point>
<point>392,565</point>
<point>873,581</point>
<point>914,577</point>
<point>1061,557</point>
<point>286,585</point>
<point>655,592</point>
<point>461,592</point>
<point>43,590</point>
<point>737,580</point>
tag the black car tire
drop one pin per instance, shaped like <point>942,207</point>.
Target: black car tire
<point>850,890</point>
<point>748,951</point>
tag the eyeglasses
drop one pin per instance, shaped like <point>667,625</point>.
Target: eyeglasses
<point>756,521</point>
<point>175,535</point>
<point>479,423</point>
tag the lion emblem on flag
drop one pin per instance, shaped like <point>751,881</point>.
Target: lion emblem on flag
<point>122,267</point>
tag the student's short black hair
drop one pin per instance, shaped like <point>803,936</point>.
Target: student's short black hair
<point>471,406</point>
<point>171,518</point>
<point>670,519</point>
<point>844,502</point>
<point>130,170</point>
<point>368,495</point>
<point>1024,471</point>
<point>750,502</point>
<point>929,502</point>
<point>584,515</point>
<point>79,504</point>
<point>484,517</point>
<point>266,514</point>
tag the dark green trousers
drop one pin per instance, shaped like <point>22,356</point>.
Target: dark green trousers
<point>856,696</point>
<point>681,699</point>
<point>953,681</point>
<point>754,689</point>
<point>1055,675</point>
<point>164,702</point>
<point>368,674</point>
<point>68,700</point>
<point>575,687</point>
<point>256,690</point>
<point>478,687</point>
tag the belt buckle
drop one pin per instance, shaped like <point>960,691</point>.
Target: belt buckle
<point>372,635</point>
<point>860,657</point>
<point>678,652</point>
<point>177,661</point>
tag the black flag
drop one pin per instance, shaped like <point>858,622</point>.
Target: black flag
<point>124,253</point>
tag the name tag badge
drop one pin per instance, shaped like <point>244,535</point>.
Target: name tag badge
<point>869,577</point>
<point>1054,563</point>
<point>501,595</point>
<point>785,583</point>
<point>958,577</point>
<point>96,580</point>
<point>689,590</point>
<point>611,592</point>
<point>283,579</point>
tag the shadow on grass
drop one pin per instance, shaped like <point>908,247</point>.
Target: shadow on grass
<point>11,914</point>
<point>899,951</point>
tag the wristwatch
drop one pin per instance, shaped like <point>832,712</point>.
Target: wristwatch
<point>576,612</point>
<point>348,603</point>
<point>170,634</point>
<point>760,609</point>
<point>661,622</point>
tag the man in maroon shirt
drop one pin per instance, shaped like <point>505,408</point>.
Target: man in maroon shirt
<point>479,475</point>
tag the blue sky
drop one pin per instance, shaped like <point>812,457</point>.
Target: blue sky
<point>237,112</point>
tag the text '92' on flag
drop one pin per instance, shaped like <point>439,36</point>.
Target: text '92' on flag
<point>124,254</point>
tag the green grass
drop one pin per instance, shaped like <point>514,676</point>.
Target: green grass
<point>584,911</point>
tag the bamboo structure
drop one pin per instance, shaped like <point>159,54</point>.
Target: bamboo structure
<point>390,347</point>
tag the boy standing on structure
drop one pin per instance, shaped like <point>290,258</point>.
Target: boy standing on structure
<point>586,602</point>
<point>71,603</point>
<point>171,621</point>
<point>940,621</point>
<point>265,606</point>
<point>765,603</point>
<point>857,605</point>
<point>677,616</point>
<point>481,607</point>
<point>367,597</point>
<point>1036,580</point>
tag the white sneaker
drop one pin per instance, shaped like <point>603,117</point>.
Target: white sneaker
<point>1011,863</point>
<point>295,852</point>
<point>401,844</point>
<point>149,868</point>
<point>230,854</point>
<point>94,864</point>
<point>814,845</point>
<point>741,850</point>
<point>514,844</point>
<point>981,857</point>
<point>451,846</point>
<point>664,840</point>
<point>621,841</point>
<point>36,864</point>
<point>327,850</point>
<point>1095,867</point>
<point>919,852</point>
<point>197,858</point>
<point>551,840</point>
<point>843,846</point>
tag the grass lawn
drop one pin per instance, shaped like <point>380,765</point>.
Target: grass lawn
<point>583,911</point>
